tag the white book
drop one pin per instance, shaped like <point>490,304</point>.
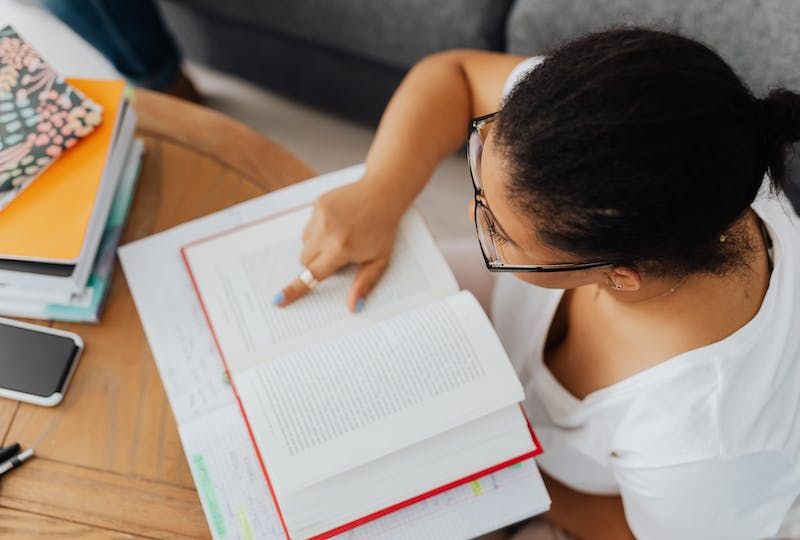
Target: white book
<point>358,415</point>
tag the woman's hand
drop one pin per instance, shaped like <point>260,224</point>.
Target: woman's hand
<point>425,121</point>
<point>353,224</point>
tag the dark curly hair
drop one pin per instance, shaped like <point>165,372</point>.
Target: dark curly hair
<point>642,146</point>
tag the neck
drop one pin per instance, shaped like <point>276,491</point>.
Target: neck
<point>660,291</point>
<point>674,294</point>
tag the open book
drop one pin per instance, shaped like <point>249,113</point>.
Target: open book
<point>357,415</point>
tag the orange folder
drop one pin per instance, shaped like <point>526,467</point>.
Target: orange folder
<point>49,220</point>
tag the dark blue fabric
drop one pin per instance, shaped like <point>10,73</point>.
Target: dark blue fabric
<point>131,34</point>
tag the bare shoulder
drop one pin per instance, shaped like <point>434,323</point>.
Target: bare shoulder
<point>485,72</point>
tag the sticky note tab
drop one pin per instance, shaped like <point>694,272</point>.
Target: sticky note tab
<point>476,487</point>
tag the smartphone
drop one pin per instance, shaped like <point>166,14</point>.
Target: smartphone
<point>36,362</point>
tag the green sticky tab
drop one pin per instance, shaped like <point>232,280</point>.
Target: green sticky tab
<point>129,93</point>
<point>476,487</point>
<point>244,524</point>
<point>209,496</point>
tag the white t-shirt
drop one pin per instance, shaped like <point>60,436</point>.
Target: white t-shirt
<point>704,445</point>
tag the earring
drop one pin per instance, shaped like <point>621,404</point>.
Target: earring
<point>613,284</point>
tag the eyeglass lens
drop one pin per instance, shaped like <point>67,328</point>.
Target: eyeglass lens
<point>475,151</point>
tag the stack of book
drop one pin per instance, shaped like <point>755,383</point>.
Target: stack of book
<point>69,164</point>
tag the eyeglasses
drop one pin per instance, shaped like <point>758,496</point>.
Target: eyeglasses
<point>500,253</point>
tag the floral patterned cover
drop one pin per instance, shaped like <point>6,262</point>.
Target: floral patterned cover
<point>40,115</point>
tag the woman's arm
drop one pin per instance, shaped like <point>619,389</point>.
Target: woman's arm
<point>425,121</point>
<point>427,118</point>
<point>584,516</point>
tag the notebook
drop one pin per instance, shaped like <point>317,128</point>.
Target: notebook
<point>358,416</point>
<point>67,193</point>
<point>56,278</point>
<point>41,115</point>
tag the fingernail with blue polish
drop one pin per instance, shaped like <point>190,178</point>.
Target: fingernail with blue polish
<point>359,305</point>
<point>279,298</point>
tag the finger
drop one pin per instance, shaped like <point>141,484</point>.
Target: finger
<point>310,252</point>
<point>310,227</point>
<point>316,223</point>
<point>471,209</point>
<point>321,267</point>
<point>366,278</point>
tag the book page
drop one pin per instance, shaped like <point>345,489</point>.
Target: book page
<point>497,438</point>
<point>333,406</point>
<point>467,511</point>
<point>238,274</point>
<point>228,477</point>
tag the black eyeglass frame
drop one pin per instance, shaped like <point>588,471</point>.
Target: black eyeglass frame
<point>500,266</point>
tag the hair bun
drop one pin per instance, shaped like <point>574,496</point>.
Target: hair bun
<point>781,116</point>
<point>780,121</point>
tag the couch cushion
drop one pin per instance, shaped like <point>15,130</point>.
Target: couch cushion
<point>333,80</point>
<point>397,32</point>
<point>759,38</point>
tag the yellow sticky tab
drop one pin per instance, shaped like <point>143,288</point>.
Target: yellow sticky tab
<point>476,487</point>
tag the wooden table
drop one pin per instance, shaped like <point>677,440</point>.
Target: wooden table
<point>109,461</point>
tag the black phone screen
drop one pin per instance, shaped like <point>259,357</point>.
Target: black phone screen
<point>34,362</point>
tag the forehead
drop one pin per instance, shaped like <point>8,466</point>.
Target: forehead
<point>496,178</point>
<point>512,216</point>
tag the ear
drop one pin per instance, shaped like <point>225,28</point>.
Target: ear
<point>624,278</point>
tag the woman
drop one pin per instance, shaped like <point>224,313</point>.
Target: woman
<point>653,313</point>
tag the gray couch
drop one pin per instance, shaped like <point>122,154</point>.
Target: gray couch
<point>358,50</point>
<point>343,56</point>
<point>347,56</point>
